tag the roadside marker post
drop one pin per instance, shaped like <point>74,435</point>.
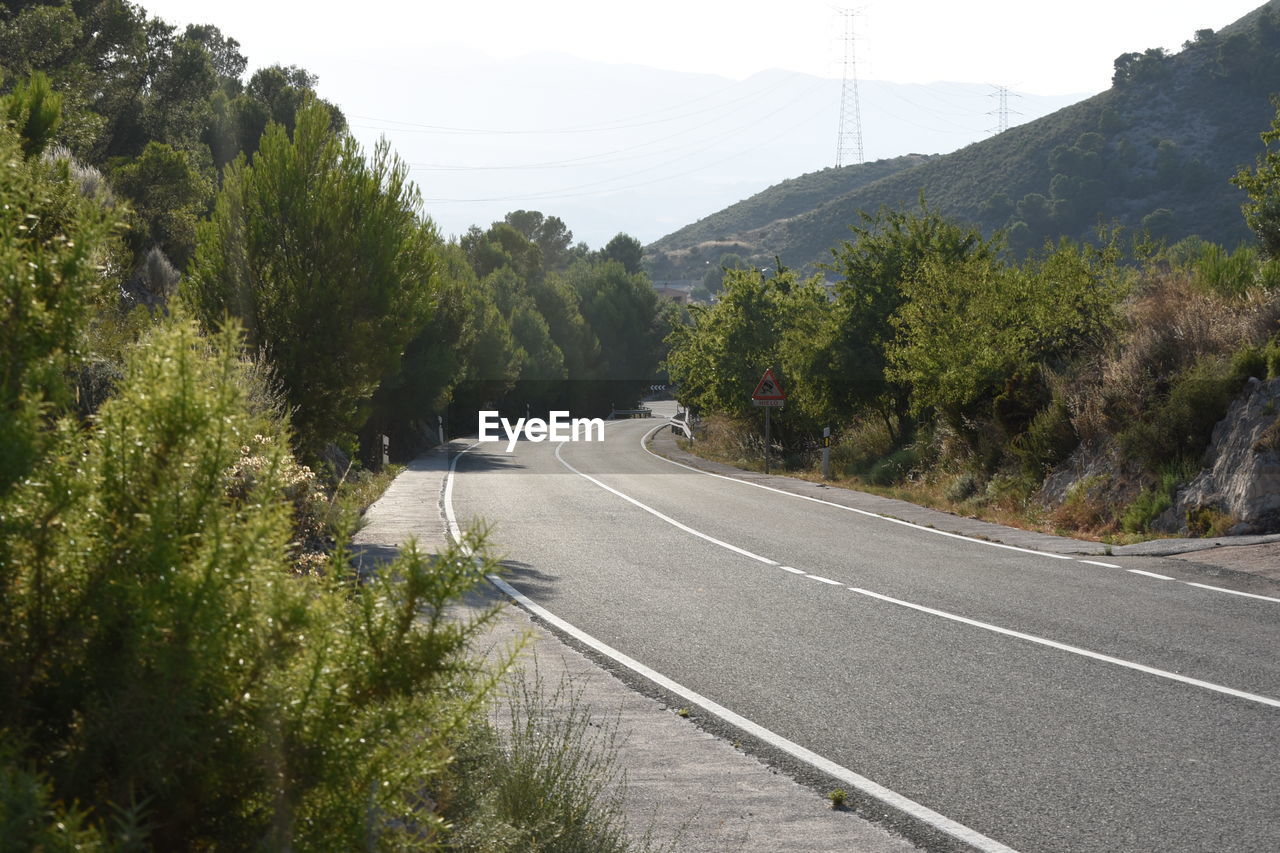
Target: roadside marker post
<point>826,453</point>
<point>768,393</point>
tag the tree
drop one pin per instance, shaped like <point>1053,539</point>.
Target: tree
<point>714,278</point>
<point>35,111</point>
<point>466,353</point>
<point>1262,183</point>
<point>224,53</point>
<point>621,310</point>
<point>51,244</point>
<point>324,259</point>
<point>169,195</point>
<point>503,245</point>
<point>177,111</point>
<point>759,322</point>
<point>969,325</point>
<point>715,360</point>
<point>886,252</point>
<point>626,250</point>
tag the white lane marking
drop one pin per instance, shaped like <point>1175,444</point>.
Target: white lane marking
<point>793,571</point>
<point>1148,574</point>
<point>1076,650</point>
<point>867,513</point>
<point>1232,591</point>
<point>824,580</point>
<point>450,519</point>
<point>866,786</point>
<point>668,519</point>
<point>644,438</point>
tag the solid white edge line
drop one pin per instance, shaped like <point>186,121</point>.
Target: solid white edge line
<point>668,519</point>
<point>893,799</point>
<point>450,519</point>
<point>872,789</point>
<point>1148,574</point>
<point>867,513</point>
<point>1232,591</point>
<point>793,571</point>
<point>1076,650</point>
<point>1097,563</point>
<point>821,579</point>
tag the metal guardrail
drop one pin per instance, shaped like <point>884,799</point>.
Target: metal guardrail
<point>642,412</point>
<point>681,424</point>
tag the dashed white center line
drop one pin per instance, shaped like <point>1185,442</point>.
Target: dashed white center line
<point>668,519</point>
<point>1232,591</point>
<point>1148,574</point>
<point>1075,650</point>
<point>1104,565</point>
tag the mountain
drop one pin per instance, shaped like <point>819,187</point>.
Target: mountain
<point>1155,152</point>
<point>616,147</point>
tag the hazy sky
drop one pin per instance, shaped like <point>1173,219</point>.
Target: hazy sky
<point>1025,44</point>
<point>583,142</point>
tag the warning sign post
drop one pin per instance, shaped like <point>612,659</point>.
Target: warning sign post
<point>768,393</point>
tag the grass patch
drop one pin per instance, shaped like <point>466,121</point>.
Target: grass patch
<point>540,777</point>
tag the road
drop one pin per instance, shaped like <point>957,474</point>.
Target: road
<point>1048,704</point>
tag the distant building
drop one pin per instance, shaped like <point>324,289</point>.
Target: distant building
<point>676,290</point>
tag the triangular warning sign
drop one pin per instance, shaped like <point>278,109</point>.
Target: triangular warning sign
<point>769,388</point>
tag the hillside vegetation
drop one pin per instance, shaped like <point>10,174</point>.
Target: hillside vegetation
<point>1064,390</point>
<point>1152,154</point>
<point>723,231</point>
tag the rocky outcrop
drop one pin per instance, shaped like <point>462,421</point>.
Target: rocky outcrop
<point>1241,477</point>
<point>1099,472</point>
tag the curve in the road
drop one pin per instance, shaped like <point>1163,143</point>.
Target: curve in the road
<point>1054,644</point>
<point>890,798</point>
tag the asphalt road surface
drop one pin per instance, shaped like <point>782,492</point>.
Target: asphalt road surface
<point>1048,704</point>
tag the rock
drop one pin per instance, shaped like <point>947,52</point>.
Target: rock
<point>1241,477</point>
<point>1099,468</point>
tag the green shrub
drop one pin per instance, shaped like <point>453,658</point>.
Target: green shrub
<point>861,445</point>
<point>1248,363</point>
<point>962,488</point>
<point>1180,424</point>
<point>1145,509</point>
<point>51,243</point>
<point>1207,521</point>
<point>1049,439</point>
<point>895,467</point>
<point>159,659</point>
<point>1271,354</point>
<point>1151,502</point>
<point>1227,273</point>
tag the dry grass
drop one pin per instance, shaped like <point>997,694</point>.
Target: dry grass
<point>1170,324</point>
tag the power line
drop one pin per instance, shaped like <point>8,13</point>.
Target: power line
<point>1002,112</point>
<point>642,120</point>
<point>707,144</point>
<point>849,138</point>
